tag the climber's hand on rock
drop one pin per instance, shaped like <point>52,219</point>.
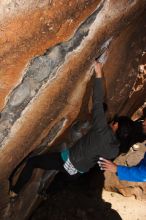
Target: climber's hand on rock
<point>107,165</point>
<point>98,69</point>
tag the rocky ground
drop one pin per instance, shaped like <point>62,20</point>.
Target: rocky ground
<point>83,198</point>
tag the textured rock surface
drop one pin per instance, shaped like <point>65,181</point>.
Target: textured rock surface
<point>46,56</point>
<point>28,28</point>
<point>123,187</point>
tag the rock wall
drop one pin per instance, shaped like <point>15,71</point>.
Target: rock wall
<point>47,51</point>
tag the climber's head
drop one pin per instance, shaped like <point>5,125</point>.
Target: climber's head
<point>122,126</point>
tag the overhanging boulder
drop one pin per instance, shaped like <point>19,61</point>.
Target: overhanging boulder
<point>49,48</point>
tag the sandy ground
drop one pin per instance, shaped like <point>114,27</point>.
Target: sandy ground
<point>128,207</point>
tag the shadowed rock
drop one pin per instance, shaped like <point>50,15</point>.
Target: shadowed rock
<point>47,53</point>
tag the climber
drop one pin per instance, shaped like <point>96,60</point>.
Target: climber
<point>101,141</point>
<point>135,173</point>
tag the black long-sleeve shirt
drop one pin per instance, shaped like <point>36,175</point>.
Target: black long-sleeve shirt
<point>99,141</point>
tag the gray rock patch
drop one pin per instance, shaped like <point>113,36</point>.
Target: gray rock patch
<point>20,94</point>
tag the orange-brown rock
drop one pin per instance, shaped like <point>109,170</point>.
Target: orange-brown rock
<point>46,58</point>
<point>28,28</point>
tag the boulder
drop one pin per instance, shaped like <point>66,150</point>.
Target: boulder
<point>136,189</point>
<point>47,49</point>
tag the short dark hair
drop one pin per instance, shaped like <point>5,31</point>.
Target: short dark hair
<point>125,127</point>
<point>124,132</point>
